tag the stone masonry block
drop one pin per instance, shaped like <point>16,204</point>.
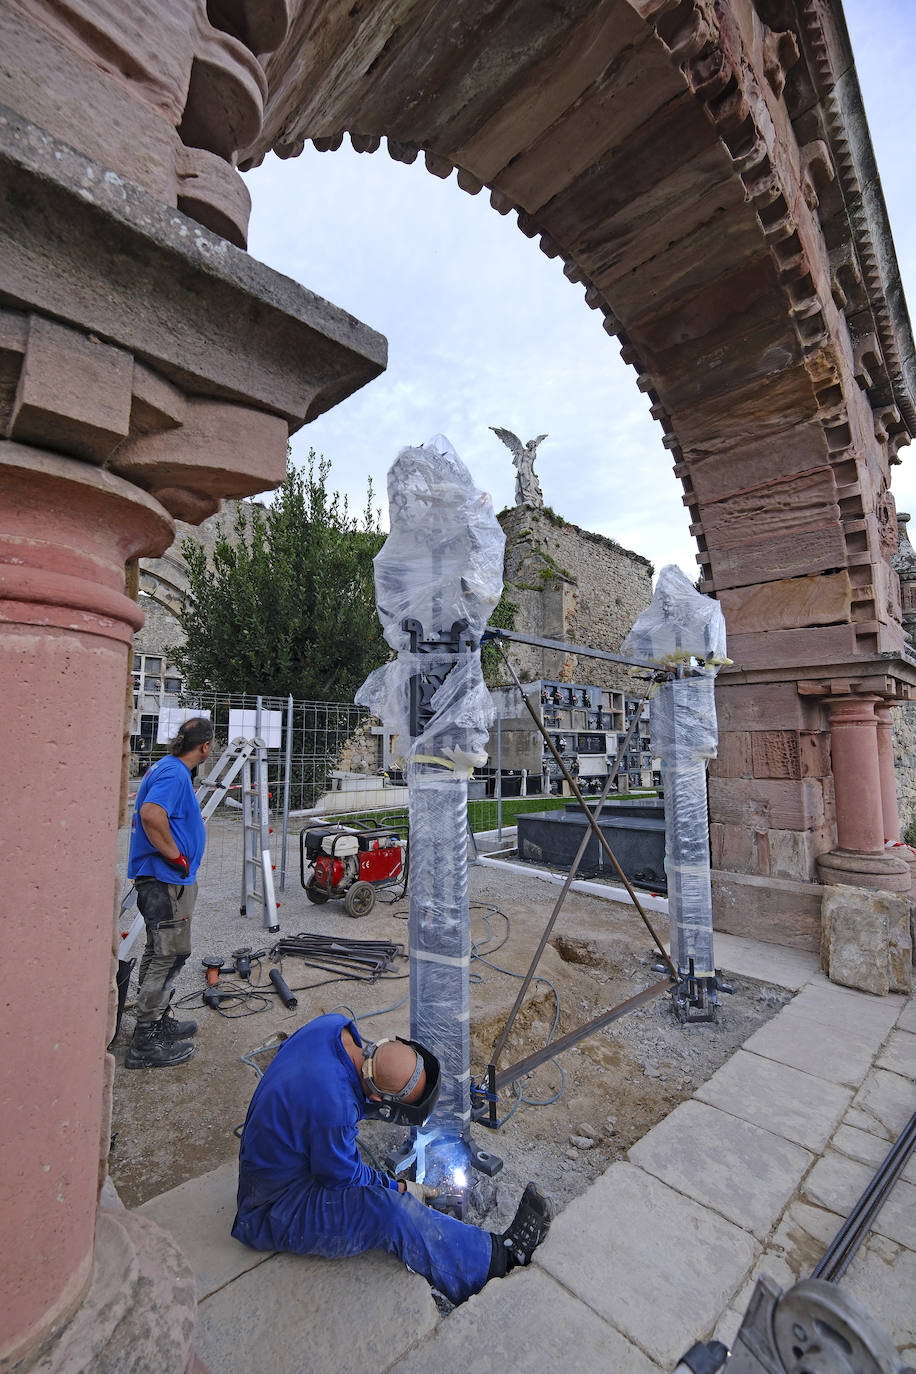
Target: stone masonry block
<point>734,757</point>
<point>790,754</point>
<point>74,392</point>
<point>778,557</point>
<point>732,847</point>
<point>787,505</point>
<point>794,853</point>
<point>860,926</point>
<point>790,603</point>
<point>767,804</point>
<point>776,754</point>
<point>739,466</point>
<point>817,645</point>
<point>752,706</point>
<point>746,904</point>
<point>219,450</point>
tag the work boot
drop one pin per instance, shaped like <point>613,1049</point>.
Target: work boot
<point>523,1235</point>
<point>152,1048</point>
<point>176,1030</point>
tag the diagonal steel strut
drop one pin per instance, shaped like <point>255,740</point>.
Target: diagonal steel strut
<point>592,819</point>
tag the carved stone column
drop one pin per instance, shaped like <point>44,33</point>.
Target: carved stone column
<point>860,858</point>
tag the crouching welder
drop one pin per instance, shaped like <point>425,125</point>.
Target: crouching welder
<point>303,1187</point>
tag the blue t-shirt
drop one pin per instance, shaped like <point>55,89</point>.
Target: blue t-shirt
<point>168,784</point>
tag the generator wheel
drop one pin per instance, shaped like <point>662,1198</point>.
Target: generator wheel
<point>316,894</point>
<point>360,899</point>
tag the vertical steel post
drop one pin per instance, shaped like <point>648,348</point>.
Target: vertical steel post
<point>287,767</point>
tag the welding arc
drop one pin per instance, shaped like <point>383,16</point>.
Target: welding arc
<point>839,1253</point>
<point>592,819</point>
<point>363,960</point>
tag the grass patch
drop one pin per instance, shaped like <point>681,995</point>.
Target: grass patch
<point>482,812</point>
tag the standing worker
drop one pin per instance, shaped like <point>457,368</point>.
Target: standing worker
<point>303,1187</point>
<point>167,839</point>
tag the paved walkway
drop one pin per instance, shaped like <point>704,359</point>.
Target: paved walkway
<point>753,1174</point>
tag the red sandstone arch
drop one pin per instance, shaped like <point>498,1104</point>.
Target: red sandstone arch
<point>704,173</point>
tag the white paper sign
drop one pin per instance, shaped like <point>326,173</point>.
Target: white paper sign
<point>244,723</point>
<point>171,717</point>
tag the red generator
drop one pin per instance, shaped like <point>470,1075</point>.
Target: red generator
<point>350,862</point>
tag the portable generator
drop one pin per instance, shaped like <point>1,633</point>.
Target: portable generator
<point>350,862</point>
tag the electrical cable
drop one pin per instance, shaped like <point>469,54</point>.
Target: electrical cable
<point>479,956</point>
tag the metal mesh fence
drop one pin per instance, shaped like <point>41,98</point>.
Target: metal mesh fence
<point>318,739</point>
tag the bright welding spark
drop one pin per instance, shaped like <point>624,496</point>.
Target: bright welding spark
<point>460,1178</point>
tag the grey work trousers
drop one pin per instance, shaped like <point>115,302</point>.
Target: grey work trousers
<point>166,908</point>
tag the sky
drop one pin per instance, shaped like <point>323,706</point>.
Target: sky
<point>483,329</point>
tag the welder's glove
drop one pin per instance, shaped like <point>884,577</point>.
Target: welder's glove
<point>182,864</point>
<point>421,1191</point>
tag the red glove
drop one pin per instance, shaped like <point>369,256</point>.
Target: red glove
<point>183,865</point>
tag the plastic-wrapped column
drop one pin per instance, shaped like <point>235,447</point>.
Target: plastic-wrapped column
<point>437,580</point>
<point>679,627</point>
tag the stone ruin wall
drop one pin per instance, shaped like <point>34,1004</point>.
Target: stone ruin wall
<point>162,627</point>
<point>574,585</point>
<point>904,718</point>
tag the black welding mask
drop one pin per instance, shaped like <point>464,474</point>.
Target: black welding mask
<point>392,1106</point>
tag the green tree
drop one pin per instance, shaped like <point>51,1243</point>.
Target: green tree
<point>287,605</point>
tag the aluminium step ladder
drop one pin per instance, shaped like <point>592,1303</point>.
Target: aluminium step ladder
<point>257,865</point>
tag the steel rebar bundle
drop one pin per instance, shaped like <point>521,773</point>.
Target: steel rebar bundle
<point>361,959</point>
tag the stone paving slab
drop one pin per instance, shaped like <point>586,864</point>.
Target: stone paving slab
<point>804,1042</point>
<point>868,1149</point>
<point>899,1054</point>
<point>837,1182</point>
<point>881,1274</point>
<point>788,968</point>
<point>653,1263</point>
<point>847,1009</point>
<point>798,1244</point>
<point>526,1321</point>
<point>781,1099</point>
<point>199,1214</point>
<point>907,1018</point>
<point>883,1105</point>
<point>294,1313</point>
<point>709,1156</point>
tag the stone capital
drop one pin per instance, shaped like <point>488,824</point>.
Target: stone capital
<point>66,531</point>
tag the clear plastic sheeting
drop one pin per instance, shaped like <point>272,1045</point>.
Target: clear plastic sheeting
<point>462,707</point>
<point>443,560</point>
<point>685,630</point>
<point>437,579</point>
<point>679,624</point>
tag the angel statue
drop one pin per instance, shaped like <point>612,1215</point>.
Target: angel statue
<point>527,487</point>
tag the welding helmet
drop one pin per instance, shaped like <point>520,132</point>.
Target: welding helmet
<point>392,1106</point>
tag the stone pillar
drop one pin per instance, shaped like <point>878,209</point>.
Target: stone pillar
<point>148,369</point>
<point>860,858</point>
<point>66,529</point>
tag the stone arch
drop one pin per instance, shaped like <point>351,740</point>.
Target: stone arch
<point>705,175</point>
